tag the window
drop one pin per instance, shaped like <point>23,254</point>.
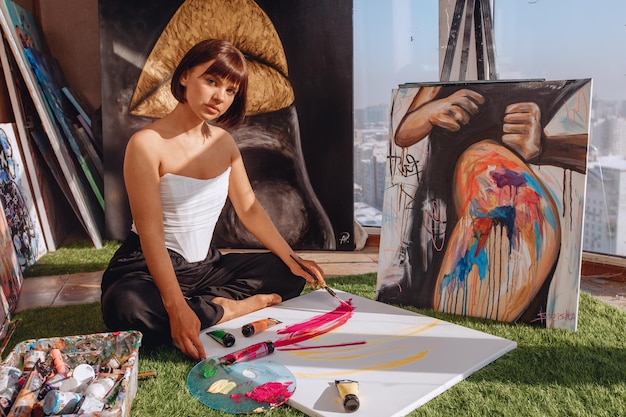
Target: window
<point>564,39</point>
<point>398,41</point>
<point>394,42</point>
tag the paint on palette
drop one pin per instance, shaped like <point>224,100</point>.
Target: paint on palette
<point>273,393</point>
<point>243,387</point>
<point>209,368</point>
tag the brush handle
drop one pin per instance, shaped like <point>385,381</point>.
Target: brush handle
<point>331,292</point>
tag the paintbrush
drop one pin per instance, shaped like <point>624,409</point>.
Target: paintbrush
<point>324,286</point>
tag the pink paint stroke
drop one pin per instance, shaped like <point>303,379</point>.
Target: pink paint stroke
<point>362,342</point>
<point>317,326</point>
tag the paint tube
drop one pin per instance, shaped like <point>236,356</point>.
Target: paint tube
<point>258,326</point>
<point>349,393</point>
<point>59,364</point>
<point>23,405</point>
<point>224,338</point>
<point>249,353</point>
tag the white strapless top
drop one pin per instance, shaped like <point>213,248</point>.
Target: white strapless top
<point>191,208</point>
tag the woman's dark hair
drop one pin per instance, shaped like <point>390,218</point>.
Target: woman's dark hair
<point>229,64</point>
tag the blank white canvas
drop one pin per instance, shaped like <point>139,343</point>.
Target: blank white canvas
<point>406,358</point>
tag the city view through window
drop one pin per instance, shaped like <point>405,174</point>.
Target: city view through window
<point>396,42</point>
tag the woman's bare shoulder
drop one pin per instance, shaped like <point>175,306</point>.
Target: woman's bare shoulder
<point>148,132</point>
<point>147,139</point>
<point>224,138</point>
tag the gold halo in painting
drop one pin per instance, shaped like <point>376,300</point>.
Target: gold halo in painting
<point>242,23</point>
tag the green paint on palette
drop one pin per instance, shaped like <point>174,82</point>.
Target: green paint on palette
<point>209,369</point>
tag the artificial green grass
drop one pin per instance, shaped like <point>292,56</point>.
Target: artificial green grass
<point>551,373</point>
<point>75,257</point>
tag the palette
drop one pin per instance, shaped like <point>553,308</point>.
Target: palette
<point>243,387</point>
<point>401,359</point>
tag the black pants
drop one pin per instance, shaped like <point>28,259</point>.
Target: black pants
<point>131,300</point>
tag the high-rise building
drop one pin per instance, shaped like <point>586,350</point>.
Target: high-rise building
<point>605,207</point>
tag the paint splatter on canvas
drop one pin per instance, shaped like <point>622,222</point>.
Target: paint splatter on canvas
<point>484,199</point>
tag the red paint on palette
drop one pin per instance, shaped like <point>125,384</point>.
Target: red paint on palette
<point>271,392</point>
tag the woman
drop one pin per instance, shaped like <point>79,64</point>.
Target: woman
<point>167,280</point>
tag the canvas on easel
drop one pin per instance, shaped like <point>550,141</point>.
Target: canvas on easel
<point>484,199</point>
<point>23,39</point>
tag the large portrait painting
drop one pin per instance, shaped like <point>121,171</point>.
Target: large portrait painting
<point>484,199</point>
<point>296,140</point>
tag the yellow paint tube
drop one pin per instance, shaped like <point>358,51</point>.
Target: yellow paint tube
<point>349,393</point>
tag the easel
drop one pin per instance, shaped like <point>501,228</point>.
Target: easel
<point>478,14</point>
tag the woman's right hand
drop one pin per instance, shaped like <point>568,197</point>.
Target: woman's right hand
<point>315,281</point>
<point>185,331</point>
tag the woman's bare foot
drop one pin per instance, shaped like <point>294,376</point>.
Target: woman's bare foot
<point>238,308</point>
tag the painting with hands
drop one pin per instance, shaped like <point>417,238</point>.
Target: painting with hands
<point>484,199</point>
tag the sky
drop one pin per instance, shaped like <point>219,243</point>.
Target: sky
<point>397,41</point>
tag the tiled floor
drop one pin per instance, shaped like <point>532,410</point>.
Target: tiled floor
<point>85,287</point>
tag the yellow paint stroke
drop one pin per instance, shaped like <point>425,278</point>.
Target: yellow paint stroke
<point>380,367</point>
<point>406,332</point>
<point>317,356</point>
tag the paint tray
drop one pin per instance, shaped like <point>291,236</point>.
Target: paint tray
<point>97,349</point>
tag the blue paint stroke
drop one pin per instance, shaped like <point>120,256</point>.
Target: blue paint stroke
<point>473,256</point>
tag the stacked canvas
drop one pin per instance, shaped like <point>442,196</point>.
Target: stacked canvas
<point>55,130</point>
<point>49,151</point>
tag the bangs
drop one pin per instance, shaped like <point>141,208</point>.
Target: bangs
<point>229,68</point>
<point>227,63</point>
